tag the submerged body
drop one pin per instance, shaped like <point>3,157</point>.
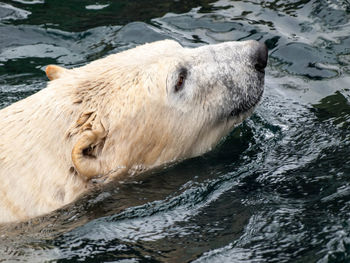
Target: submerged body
<point>128,112</point>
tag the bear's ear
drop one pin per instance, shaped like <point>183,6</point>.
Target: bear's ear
<point>54,72</point>
<point>85,153</point>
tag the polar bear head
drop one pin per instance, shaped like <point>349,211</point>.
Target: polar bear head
<point>159,102</point>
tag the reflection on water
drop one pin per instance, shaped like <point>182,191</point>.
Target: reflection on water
<point>276,190</point>
<point>336,109</point>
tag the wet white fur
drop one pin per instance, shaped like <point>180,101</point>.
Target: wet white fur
<point>131,96</point>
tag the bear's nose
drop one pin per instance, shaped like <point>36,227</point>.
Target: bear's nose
<point>260,57</point>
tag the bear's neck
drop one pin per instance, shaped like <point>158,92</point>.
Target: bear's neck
<point>35,156</point>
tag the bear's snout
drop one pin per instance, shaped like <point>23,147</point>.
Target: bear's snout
<point>260,57</point>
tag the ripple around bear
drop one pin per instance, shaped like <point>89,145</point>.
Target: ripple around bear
<point>125,113</point>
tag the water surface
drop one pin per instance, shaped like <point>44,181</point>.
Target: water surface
<point>276,190</point>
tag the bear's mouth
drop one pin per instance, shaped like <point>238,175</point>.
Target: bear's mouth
<point>244,107</point>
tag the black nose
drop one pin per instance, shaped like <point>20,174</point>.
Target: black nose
<point>260,57</point>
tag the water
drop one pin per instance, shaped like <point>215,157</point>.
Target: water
<point>276,190</point>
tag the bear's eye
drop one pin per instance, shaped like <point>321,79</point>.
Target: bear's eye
<point>180,80</point>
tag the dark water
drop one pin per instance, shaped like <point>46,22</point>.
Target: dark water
<point>277,190</point>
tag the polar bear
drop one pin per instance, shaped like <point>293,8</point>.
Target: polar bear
<point>125,113</point>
